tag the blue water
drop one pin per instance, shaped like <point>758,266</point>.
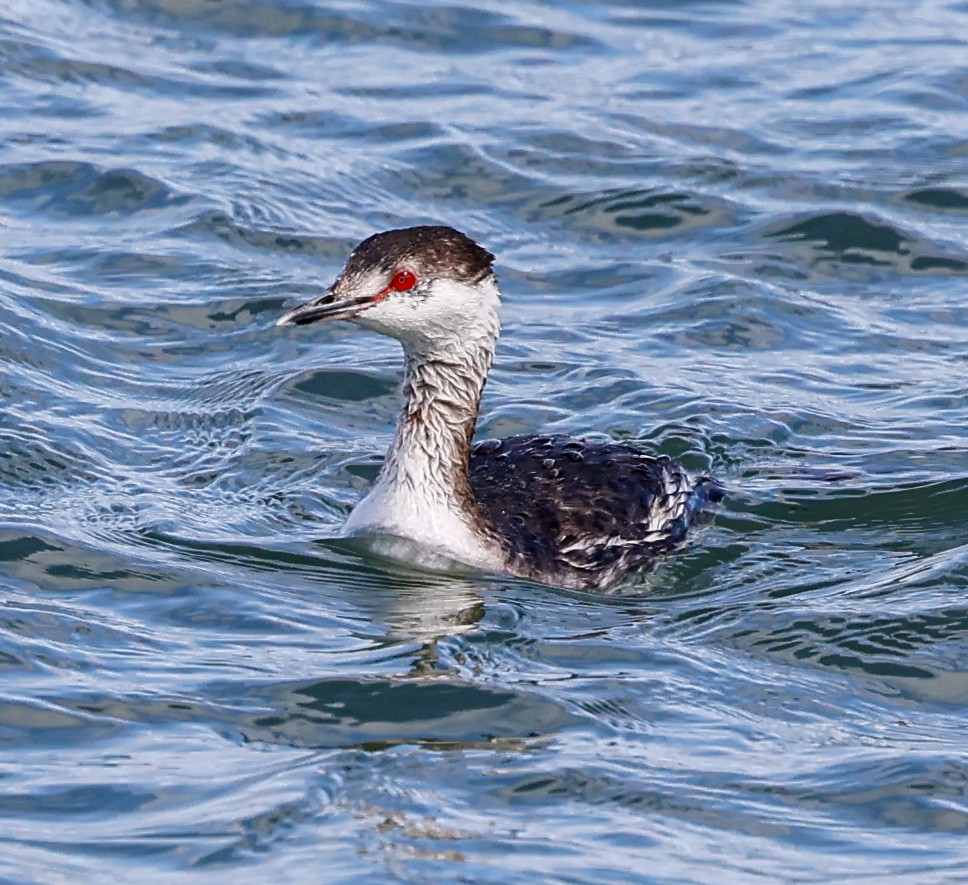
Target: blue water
<point>734,232</point>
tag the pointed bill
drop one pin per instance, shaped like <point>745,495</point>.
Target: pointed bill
<point>328,307</point>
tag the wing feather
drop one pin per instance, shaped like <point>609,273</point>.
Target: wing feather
<point>581,512</point>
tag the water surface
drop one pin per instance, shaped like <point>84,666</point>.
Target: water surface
<point>733,232</point>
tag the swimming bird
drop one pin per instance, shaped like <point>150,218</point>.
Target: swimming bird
<point>557,510</point>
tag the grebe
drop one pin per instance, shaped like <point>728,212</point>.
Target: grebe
<point>557,510</point>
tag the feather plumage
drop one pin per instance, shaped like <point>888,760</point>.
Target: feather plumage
<point>554,509</point>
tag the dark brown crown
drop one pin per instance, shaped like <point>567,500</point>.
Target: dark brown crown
<point>436,250</point>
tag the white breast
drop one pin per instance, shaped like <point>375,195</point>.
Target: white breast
<point>404,525</point>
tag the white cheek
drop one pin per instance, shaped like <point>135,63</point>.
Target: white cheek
<point>442,313</point>
<point>400,312</point>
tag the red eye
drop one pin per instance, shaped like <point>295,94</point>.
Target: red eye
<point>403,280</point>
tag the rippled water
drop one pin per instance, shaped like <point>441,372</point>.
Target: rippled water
<point>734,231</point>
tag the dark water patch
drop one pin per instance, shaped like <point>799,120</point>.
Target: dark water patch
<point>69,71</point>
<point>533,37</point>
<point>918,507</point>
<point>69,801</point>
<point>710,140</point>
<point>76,638</point>
<point>896,793</point>
<point>714,18</point>
<point>204,133</point>
<point>635,213</point>
<point>542,152</point>
<point>42,724</point>
<point>118,269</point>
<point>937,265</point>
<point>867,653</point>
<point>408,26</point>
<point>161,331</point>
<point>668,798</point>
<point>326,124</point>
<point>227,229</point>
<point>238,69</point>
<point>30,459</point>
<point>375,715</point>
<point>74,189</point>
<point>423,91</point>
<point>56,565</point>
<point>459,173</point>
<point>844,239</point>
<point>739,316</point>
<point>345,386</point>
<point>940,199</point>
<point>245,19</point>
<point>34,61</point>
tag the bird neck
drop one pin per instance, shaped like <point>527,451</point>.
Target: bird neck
<point>430,455</point>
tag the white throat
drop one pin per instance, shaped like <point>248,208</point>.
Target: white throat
<point>422,493</point>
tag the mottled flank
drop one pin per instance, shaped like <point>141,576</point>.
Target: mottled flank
<point>579,513</point>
